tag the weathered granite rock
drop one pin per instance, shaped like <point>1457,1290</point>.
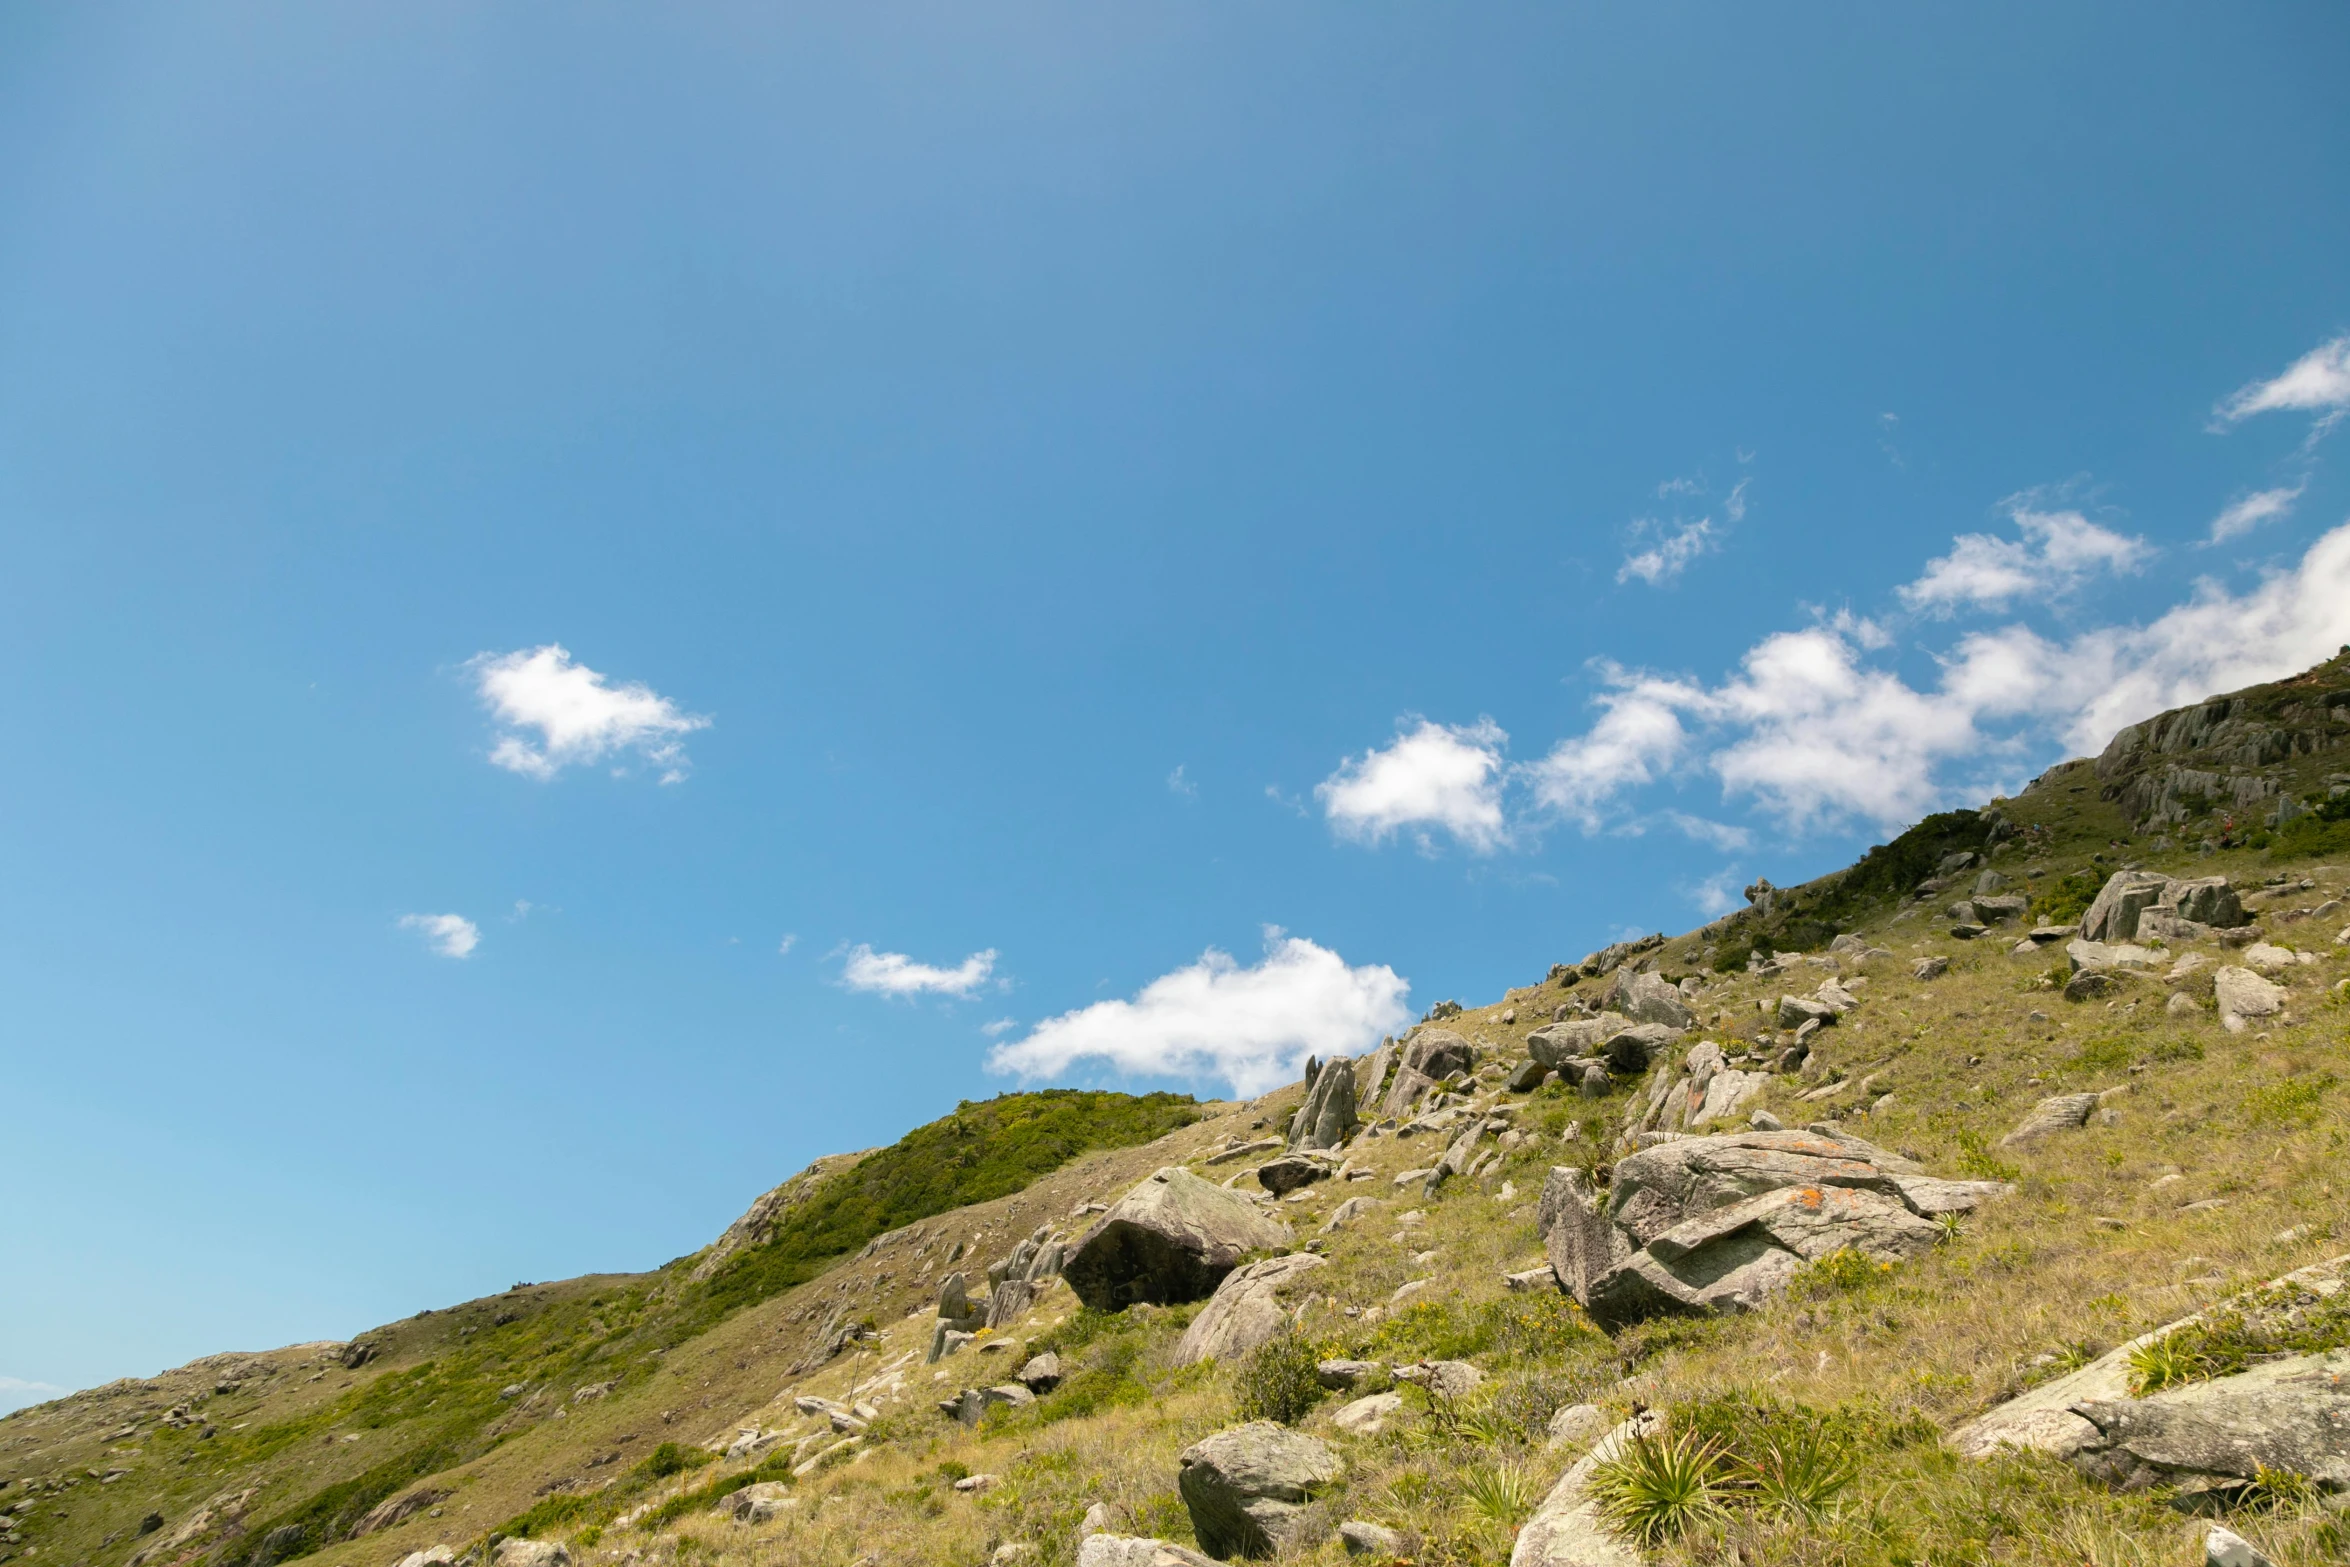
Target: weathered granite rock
<point>2060,1113</point>
<point>1327,1117</point>
<point>1172,1238</point>
<point>1249,1308</point>
<point>1557,1044</point>
<point>1370,1539</point>
<point>1711,1224</point>
<point>531,1553</point>
<point>1528,1077</point>
<point>2113,914</point>
<point>2244,996</point>
<point>2227,1548</point>
<point>1648,998</point>
<point>1247,1488</point>
<point>2099,955</point>
<point>1339,1375</point>
<point>2291,1415</point>
<point>761,1502</point>
<point>1566,1530</point>
<point>1042,1373</point>
<point>1293,1170</point>
<point>1119,1550</point>
<point>1368,1415</point>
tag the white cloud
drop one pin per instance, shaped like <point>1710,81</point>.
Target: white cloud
<point>450,935</point>
<point>2242,516</point>
<point>791,939</point>
<point>16,1392</point>
<point>1735,505</point>
<point>1249,1027</point>
<point>1679,487</point>
<point>1721,835</point>
<point>895,974</point>
<point>1436,775</point>
<point>1178,784</point>
<point>580,716</point>
<point>2059,551</point>
<point>1665,560</point>
<point>2318,382</point>
<point>1000,1027</point>
<point>1638,737</point>
<point>1719,893</point>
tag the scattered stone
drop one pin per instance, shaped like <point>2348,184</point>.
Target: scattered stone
<point>1292,1171</point>
<point>1247,1488</point>
<point>1577,1423</point>
<point>2181,1004</point>
<point>972,1485</point>
<point>1042,1373</point>
<point>1444,1378</point>
<point>1249,1309</point>
<point>1648,998</point>
<point>1370,1539</point>
<point>1528,1077</point>
<point>1011,1551</point>
<point>2062,1113</point>
<point>2243,995</point>
<point>1117,1550</point>
<point>1339,1375</point>
<point>527,1553</point>
<point>1172,1238</point>
<point>1764,1121</point>
<point>1224,1155</point>
<point>2267,958</point>
<point>2226,1548</point>
<point>1532,1279</point>
<point>1096,1520</point>
<point>1566,1530</point>
<point>1368,1416</point>
<point>2090,983</point>
<point>2099,955</point>
<point>763,1502</point>
<point>1930,968</point>
<point>1348,1211</point>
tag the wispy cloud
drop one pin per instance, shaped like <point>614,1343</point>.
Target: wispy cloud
<point>450,935</point>
<point>1719,893</point>
<point>2249,512</point>
<point>1440,776</point>
<point>791,939</point>
<point>1670,550</point>
<point>2318,382</point>
<point>1720,835</point>
<point>579,716</point>
<point>895,974</point>
<point>1179,784</point>
<point>2056,553</point>
<point>1249,1027</point>
<point>16,1392</point>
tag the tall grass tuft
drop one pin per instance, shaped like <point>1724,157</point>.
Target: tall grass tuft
<point>1659,1488</point>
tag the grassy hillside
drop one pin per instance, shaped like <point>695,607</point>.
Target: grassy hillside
<point>601,1411</point>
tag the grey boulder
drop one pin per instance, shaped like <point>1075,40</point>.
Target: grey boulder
<point>1249,1309</point>
<point>1371,1539</point>
<point>2291,1415</point>
<point>1247,1489</point>
<point>1648,998</point>
<point>1327,1117</point>
<point>1567,1530</point>
<point>1172,1238</point>
<point>2061,1113</point>
<point>1042,1373</point>
<point>1293,1170</point>
<point>2243,996</point>
<point>1120,1550</point>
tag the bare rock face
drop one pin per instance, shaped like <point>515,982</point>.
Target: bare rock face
<point>1431,1056</point>
<point>2060,1113</point>
<point>1247,1488</point>
<point>1173,1238</point>
<point>2291,1414</point>
<point>1249,1309</point>
<point>1327,1117</point>
<point>1714,1224</point>
<point>2113,914</point>
<point>1566,1530</point>
<point>1648,998</point>
<point>2143,904</point>
<point>2244,996</point>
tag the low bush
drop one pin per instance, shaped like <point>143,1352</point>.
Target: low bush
<point>1278,1381</point>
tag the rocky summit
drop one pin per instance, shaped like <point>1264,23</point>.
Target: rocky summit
<point>1984,1201</point>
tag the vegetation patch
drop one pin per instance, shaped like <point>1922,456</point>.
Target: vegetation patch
<point>2276,1321</point>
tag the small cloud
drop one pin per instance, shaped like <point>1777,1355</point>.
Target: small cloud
<point>1679,487</point>
<point>1745,454</point>
<point>1670,554</point>
<point>1719,893</point>
<point>1720,835</point>
<point>1735,507</point>
<point>1000,1027</point>
<point>895,974</point>
<point>450,935</point>
<point>2318,382</point>
<point>2242,516</point>
<point>523,909</point>
<point>1435,775</point>
<point>1249,1027</point>
<point>16,1392</point>
<point>1888,426</point>
<point>791,939</point>
<point>579,715</point>
<point>2058,551</point>
<point>1178,784</point>
<point>1288,802</point>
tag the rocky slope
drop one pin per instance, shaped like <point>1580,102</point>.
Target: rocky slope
<point>1892,1220</point>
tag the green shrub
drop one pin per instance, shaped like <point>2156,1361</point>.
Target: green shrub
<point>1278,1381</point>
<point>1658,1489</point>
<point>674,1458</point>
<point>2293,1102</point>
<point>1976,1159</point>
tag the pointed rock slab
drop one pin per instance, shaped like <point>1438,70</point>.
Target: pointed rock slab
<point>1247,1488</point>
<point>1172,1238</point>
<point>1327,1117</point>
<point>2113,915</point>
<point>1566,1530</point>
<point>1249,1309</point>
<point>1735,1259</point>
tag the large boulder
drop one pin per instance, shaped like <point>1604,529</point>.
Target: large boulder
<point>1247,1488</point>
<point>1648,998</point>
<point>1327,1117</point>
<point>2113,913</point>
<point>1429,1057</point>
<point>1173,1238</point>
<point>1716,1224</point>
<point>1249,1308</point>
<point>1292,1170</point>
<point>2291,1415</point>
<point>2244,996</point>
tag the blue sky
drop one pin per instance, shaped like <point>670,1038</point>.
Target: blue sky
<point>599,603</point>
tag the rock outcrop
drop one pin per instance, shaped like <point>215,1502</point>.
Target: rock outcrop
<point>2244,998</point>
<point>1172,1238</point>
<point>1327,1117</point>
<point>2145,904</point>
<point>1247,1488</point>
<point>1566,1530</point>
<point>1714,1224</point>
<point>1429,1057</point>
<point>1648,998</point>
<point>1249,1309</point>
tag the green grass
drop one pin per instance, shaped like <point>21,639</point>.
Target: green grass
<point>985,1150</point>
<point>2273,1322</point>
